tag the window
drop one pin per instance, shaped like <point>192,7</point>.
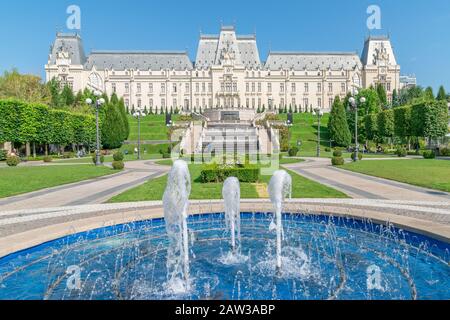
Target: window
<point>253,87</point>
<point>186,87</point>
<point>330,87</point>
<point>163,88</point>
<point>253,103</point>
<point>127,88</point>
<point>174,103</point>
<point>235,86</point>
<point>248,103</point>
<point>139,103</point>
<point>127,103</point>
<point>281,87</point>
<point>163,103</point>
<point>209,87</point>
<point>203,87</point>
<point>150,87</point>
<point>306,103</point>
<point>247,87</point>
<point>319,103</point>
<point>269,87</point>
<point>282,102</point>
<point>306,87</point>
<point>204,102</point>
<point>113,86</point>
<point>259,102</point>
<point>139,89</point>
<point>330,102</point>
<point>388,86</point>
<point>343,89</point>
<point>293,87</point>
<point>270,103</point>
<point>293,102</point>
<point>259,86</point>
<point>319,87</point>
<point>174,88</point>
<point>197,87</point>
<point>150,103</point>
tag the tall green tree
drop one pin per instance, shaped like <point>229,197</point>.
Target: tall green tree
<point>337,125</point>
<point>428,94</point>
<point>442,95</point>
<point>25,87</point>
<point>395,99</point>
<point>381,91</point>
<point>67,97</point>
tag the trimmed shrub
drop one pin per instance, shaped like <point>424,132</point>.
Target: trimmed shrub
<point>445,152</point>
<point>337,161</point>
<point>47,159</point>
<point>68,155</point>
<point>215,173</point>
<point>118,156</point>
<point>118,165</point>
<point>13,161</point>
<point>401,152</point>
<point>429,154</point>
<point>94,159</point>
<point>353,156</point>
<point>327,149</point>
<point>337,153</point>
<point>3,155</point>
<point>293,152</point>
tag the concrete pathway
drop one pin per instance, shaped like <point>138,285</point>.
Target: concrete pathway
<point>360,186</point>
<point>92,191</point>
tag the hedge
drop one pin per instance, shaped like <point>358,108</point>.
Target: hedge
<point>22,122</point>
<point>216,173</point>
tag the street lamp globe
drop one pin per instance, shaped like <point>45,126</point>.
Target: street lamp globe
<point>352,101</point>
<point>363,100</point>
<point>97,93</point>
<point>88,101</point>
<point>101,101</point>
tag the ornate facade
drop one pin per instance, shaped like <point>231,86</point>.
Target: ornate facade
<point>227,73</point>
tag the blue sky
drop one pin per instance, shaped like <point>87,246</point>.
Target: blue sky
<point>419,29</point>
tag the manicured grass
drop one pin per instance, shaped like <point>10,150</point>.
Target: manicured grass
<point>290,160</point>
<point>154,189</point>
<point>153,127</point>
<point>20,180</point>
<point>434,174</point>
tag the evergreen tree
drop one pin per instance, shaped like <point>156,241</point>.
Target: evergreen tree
<point>111,125</point>
<point>337,125</point>
<point>290,108</point>
<point>381,91</point>
<point>395,99</point>
<point>428,94</point>
<point>441,96</point>
<point>67,97</point>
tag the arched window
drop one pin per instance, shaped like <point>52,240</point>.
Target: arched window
<point>95,81</point>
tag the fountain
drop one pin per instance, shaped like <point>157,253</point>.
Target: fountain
<point>232,196</point>
<point>175,202</point>
<point>280,187</point>
<point>323,257</point>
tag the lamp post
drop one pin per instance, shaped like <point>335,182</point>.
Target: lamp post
<point>354,103</point>
<point>97,104</point>
<point>138,114</point>
<point>289,124</point>
<point>319,113</point>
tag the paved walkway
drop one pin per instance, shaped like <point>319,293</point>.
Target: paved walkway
<point>360,186</point>
<point>92,191</point>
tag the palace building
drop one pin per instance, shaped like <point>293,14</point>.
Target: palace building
<point>227,73</point>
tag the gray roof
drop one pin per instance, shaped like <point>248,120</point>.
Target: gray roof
<point>312,61</point>
<point>71,43</point>
<point>142,60</point>
<point>370,46</point>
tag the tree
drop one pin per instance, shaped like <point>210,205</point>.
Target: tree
<point>385,124</point>
<point>111,126</point>
<point>28,88</point>
<point>370,124</point>
<point>428,94</point>
<point>442,95</point>
<point>337,125</point>
<point>395,99</point>
<point>381,91</point>
<point>67,97</point>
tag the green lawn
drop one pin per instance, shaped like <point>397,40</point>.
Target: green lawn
<point>434,174</point>
<point>19,180</point>
<point>154,189</point>
<point>153,127</point>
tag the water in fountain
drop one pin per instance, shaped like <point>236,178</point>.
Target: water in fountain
<point>232,196</point>
<point>175,202</point>
<point>280,187</point>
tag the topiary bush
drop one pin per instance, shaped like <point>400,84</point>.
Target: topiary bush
<point>327,149</point>
<point>429,154</point>
<point>118,165</point>
<point>102,159</point>
<point>293,152</point>
<point>337,153</point>
<point>353,156</point>
<point>13,161</point>
<point>401,152</point>
<point>118,156</point>
<point>47,159</point>
<point>3,155</point>
<point>445,152</point>
<point>216,173</point>
<point>337,161</point>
